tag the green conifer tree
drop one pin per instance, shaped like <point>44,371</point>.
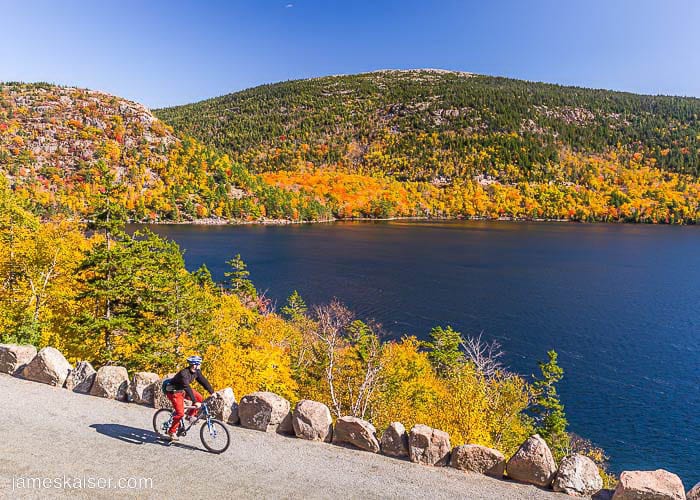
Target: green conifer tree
<point>239,280</point>
<point>174,309</point>
<point>550,420</point>
<point>295,307</point>
<point>444,349</point>
<point>107,287</point>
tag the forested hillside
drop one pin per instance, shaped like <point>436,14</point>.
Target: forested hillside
<point>462,145</point>
<point>421,143</point>
<point>59,145</point>
<point>427,125</point>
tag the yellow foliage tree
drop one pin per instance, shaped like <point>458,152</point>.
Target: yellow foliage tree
<point>251,352</point>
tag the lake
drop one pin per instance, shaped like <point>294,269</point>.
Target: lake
<point>619,303</point>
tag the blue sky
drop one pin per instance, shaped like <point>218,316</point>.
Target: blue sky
<point>170,52</point>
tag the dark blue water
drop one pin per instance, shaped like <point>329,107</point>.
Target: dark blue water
<point>619,303</point>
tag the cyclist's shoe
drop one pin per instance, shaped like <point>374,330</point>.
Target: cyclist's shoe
<point>173,437</point>
<point>191,419</point>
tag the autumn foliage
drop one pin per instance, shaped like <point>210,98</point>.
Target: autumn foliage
<point>127,299</point>
<point>432,156</point>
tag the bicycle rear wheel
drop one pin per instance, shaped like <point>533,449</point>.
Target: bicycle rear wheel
<point>161,421</point>
<point>215,436</point>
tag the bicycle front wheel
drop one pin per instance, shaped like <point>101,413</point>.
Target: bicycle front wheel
<point>215,436</point>
<point>161,421</point>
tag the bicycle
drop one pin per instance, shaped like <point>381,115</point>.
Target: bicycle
<point>210,434</point>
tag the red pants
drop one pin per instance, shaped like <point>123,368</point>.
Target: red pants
<point>178,401</point>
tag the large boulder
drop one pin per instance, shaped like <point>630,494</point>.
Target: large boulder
<point>312,420</point>
<point>480,459</point>
<point>81,378</point>
<point>48,367</point>
<point>223,406</point>
<point>428,446</point>
<point>578,476</point>
<point>694,493</point>
<point>111,382</point>
<point>142,388</point>
<point>357,432</point>
<point>649,485</point>
<point>395,441</point>
<point>13,358</point>
<point>265,411</point>
<point>533,463</point>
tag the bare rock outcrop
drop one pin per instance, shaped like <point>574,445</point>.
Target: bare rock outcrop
<point>533,463</point>
<point>142,388</point>
<point>312,420</point>
<point>395,441</point>
<point>223,406</point>
<point>649,485</point>
<point>265,411</point>
<point>578,476</point>
<point>357,432</point>
<point>111,382</point>
<point>56,131</point>
<point>480,459</point>
<point>13,358</point>
<point>48,367</point>
<point>81,378</point>
<point>428,446</point>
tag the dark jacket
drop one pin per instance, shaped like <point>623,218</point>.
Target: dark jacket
<point>182,380</point>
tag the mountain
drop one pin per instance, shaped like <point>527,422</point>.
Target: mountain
<point>426,143</point>
<point>58,144</point>
<point>425,125</point>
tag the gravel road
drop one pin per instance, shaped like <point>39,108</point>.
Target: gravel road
<point>63,437</point>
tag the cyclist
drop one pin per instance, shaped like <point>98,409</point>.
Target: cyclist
<point>177,387</point>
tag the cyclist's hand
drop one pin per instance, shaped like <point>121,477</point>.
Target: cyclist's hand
<point>197,405</point>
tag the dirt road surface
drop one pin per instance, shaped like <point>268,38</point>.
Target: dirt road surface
<point>81,446</point>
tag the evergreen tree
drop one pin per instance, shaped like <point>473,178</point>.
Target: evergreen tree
<point>108,216</point>
<point>550,420</point>
<point>364,339</point>
<point>142,307</point>
<point>106,272</point>
<point>157,309</point>
<point>174,309</point>
<point>239,281</point>
<point>203,277</point>
<point>444,349</point>
<point>295,307</point>
<point>109,300</point>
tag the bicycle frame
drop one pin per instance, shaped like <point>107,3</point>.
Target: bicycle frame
<point>202,414</point>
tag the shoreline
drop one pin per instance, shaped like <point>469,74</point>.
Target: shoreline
<point>286,222</point>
